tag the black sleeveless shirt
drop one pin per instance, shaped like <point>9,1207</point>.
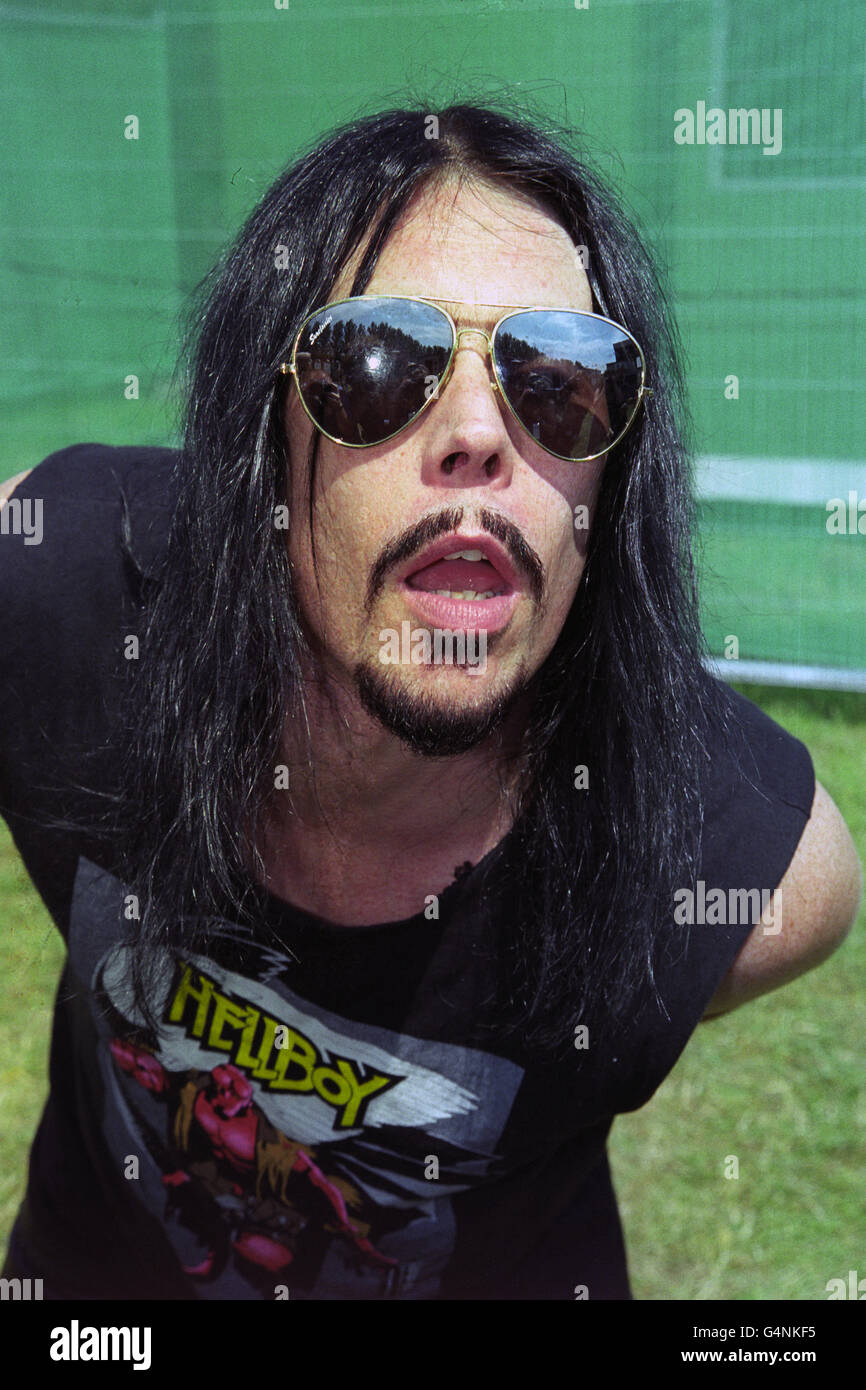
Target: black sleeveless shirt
<point>314,1121</point>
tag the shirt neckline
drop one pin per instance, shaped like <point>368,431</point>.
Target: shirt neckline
<point>281,912</point>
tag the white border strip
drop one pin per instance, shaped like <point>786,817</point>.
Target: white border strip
<point>796,482</point>
<point>781,673</point>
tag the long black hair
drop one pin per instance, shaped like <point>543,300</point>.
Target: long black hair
<point>624,692</point>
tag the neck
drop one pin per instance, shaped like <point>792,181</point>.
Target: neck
<point>366,824</point>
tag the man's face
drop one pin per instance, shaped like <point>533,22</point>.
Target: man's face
<point>463,476</point>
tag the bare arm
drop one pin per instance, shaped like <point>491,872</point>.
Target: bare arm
<point>7,488</point>
<point>820,896</point>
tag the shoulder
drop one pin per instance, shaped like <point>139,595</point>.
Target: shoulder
<point>8,487</point>
<point>92,472</point>
<point>812,910</point>
<point>758,792</point>
<point>774,890</point>
<point>757,762</point>
<point>73,514</point>
<point>79,535</point>
<point>770,825</point>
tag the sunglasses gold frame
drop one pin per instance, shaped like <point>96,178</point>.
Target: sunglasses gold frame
<point>290,368</point>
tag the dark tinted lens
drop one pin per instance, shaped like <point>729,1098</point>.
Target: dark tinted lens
<point>572,380</point>
<point>366,367</point>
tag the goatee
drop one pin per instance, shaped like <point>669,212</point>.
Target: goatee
<point>428,728</point>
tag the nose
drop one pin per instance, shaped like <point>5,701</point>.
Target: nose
<point>471,437</point>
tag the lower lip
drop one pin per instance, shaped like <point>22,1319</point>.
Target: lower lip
<point>487,614</point>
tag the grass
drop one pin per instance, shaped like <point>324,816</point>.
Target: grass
<point>31,958</point>
<point>778,1084</point>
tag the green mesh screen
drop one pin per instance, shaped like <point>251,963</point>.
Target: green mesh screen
<point>103,236</point>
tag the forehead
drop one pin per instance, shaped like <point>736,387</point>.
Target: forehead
<point>479,244</point>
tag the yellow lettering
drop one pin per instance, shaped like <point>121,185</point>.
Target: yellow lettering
<point>224,1012</point>
<point>324,1079</point>
<point>262,1071</point>
<point>298,1065</point>
<point>185,990</point>
<point>245,1057</point>
<point>360,1091</point>
<point>301,1052</point>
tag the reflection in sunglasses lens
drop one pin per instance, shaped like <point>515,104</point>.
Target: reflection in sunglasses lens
<point>572,381</point>
<point>367,367</point>
<point>365,370</point>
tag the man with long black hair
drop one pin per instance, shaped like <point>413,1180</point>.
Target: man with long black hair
<point>370,939</point>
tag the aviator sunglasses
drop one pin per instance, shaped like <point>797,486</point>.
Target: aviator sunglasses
<point>366,368</point>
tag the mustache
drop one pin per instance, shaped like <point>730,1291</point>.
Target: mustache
<point>422,533</point>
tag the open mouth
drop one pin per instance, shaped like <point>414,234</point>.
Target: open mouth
<point>461,574</point>
<point>462,582</point>
<point>476,568</point>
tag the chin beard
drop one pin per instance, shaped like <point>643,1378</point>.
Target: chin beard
<point>427,728</point>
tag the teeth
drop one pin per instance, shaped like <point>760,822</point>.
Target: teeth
<point>465,555</point>
<point>467,593</point>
